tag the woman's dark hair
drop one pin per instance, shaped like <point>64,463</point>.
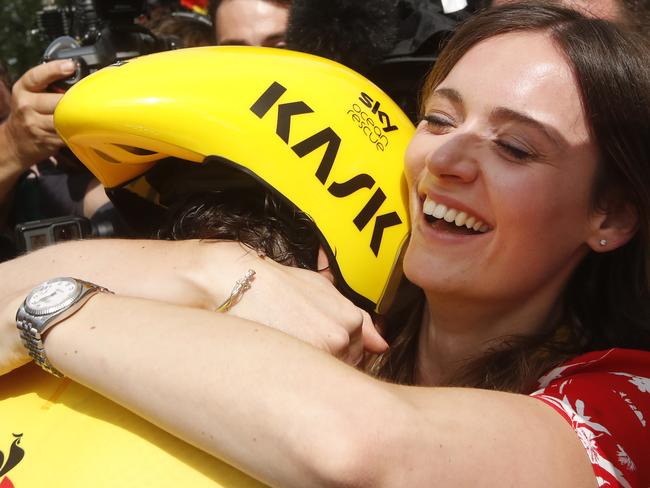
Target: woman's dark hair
<point>607,300</point>
<point>254,216</point>
<point>633,14</point>
<point>636,13</point>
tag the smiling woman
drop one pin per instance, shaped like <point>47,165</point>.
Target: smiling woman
<point>488,153</point>
<point>545,185</point>
<point>529,195</point>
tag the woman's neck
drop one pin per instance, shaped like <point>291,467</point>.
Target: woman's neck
<point>453,333</point>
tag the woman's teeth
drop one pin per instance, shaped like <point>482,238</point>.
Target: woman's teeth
<point>451,215</point>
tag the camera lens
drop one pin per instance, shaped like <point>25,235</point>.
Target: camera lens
<point>66,232</point>
<point>103,228</point>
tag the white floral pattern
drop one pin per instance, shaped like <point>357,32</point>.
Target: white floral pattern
<point>636,411</point>
<point>604,395</point>
<point>556,373</point>
<point>586,431</point>
<point>624,459</point>
<point>643,384</point>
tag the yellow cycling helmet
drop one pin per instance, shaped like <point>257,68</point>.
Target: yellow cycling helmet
<point>317,133</point>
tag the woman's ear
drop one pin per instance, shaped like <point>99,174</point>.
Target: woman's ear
<point>614,226</point>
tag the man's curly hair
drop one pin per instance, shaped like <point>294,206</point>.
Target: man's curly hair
<point>255,216</point>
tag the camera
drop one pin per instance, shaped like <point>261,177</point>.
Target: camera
<point>97,33</point>
<point>36,234</point>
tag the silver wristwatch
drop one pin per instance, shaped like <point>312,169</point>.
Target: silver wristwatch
<point>47,305</point>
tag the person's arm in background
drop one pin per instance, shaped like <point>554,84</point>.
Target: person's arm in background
<point>28,136</point>
<point>199,274</point>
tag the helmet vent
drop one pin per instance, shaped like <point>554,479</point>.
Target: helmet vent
<point>106,157</point>
<point>138,151</point>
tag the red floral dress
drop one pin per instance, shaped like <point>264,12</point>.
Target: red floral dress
<point>605,396</point>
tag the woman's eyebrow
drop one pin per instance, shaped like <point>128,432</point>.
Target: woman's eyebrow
<point>450,94</point>
<point>554,135</point>
<point>503,113</point>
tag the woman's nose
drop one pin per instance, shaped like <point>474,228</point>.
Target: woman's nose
<point>454,160</point>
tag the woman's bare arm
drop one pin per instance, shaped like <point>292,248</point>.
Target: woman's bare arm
<point>200,274</point>
<point>162,270</point>
<point>291,415</point>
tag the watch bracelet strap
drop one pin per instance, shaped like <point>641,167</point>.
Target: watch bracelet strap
<point>33,340</point>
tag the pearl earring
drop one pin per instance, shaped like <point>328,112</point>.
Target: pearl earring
<point>603,242</point>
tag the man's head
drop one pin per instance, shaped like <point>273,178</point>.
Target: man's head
<point>250,22</point>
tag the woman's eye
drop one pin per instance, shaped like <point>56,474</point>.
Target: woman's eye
<point>438,124</point>
<point>515,151</point>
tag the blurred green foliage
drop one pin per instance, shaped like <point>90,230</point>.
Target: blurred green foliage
<point>20,48</point>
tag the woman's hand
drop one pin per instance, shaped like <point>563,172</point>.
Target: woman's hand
<point>306,305</point>
<point>298,302</point>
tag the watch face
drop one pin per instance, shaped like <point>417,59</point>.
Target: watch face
<point>52,295</point>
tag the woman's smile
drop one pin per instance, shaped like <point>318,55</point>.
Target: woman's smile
<point>448,219</point>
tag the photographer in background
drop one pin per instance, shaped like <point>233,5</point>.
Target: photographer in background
<point>39,181</point>
<point>35,180</point>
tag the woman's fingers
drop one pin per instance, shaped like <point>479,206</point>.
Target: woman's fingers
<point>373,342</point>
<point>305,305</point>
<point>363,338</point>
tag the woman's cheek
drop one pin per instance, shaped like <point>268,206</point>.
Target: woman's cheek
<point>412,165</point>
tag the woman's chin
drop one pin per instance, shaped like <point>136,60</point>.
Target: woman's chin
<point>434,273</point>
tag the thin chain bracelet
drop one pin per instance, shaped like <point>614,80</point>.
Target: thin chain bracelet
<point>241,286</point>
